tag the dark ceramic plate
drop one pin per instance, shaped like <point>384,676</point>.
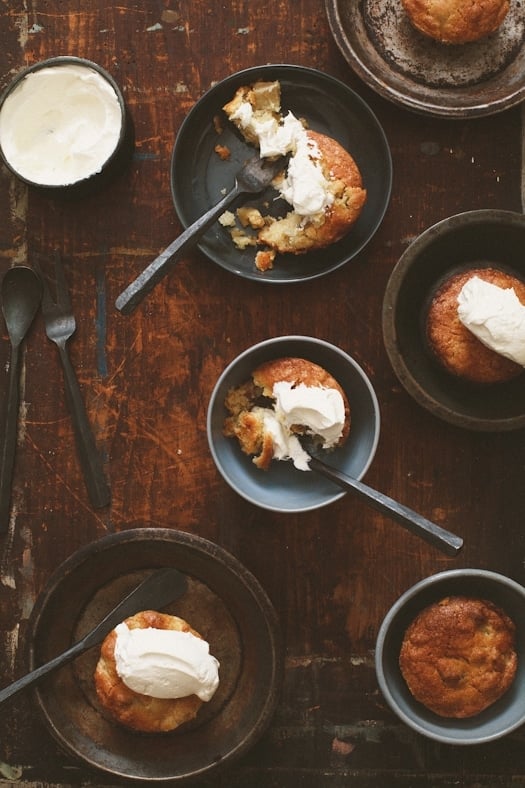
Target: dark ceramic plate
<point>224,602</point>
<point>471,239</point>
<point>199,178</point>
<point>413,71</point>
<point>504,716</point>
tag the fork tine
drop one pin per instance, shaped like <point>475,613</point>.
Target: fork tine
<point>63,298</point>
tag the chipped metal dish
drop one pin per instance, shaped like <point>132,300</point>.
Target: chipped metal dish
<point>413,71</point>
<point>199,177</point>
<point>461,242</point>
<point>223,601</point>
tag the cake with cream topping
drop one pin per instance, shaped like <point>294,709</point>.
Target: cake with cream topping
<point>321,182</point>
<point>285,398</point>
<point>155,672</point>
<point>475,325</point>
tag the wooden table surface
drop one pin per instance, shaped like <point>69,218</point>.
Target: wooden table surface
<point>332,574</point>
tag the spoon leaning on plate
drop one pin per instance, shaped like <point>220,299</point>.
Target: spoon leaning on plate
<point>157,590</point>
<point>255,176</point>
<point>439,537</point>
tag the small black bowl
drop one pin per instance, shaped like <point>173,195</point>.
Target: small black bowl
<point>116,157</point>
<point>467,240</point>
<point>199,177</point>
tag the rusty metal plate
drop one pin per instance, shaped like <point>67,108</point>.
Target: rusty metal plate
<point>224,602</point>
<point>413,71</point>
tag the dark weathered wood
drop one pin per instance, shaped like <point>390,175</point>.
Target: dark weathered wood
<point>147,377</point>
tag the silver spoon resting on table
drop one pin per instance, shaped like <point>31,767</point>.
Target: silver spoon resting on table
<point>253,178</point>
<point>156,591</point>
<point>446,541</point>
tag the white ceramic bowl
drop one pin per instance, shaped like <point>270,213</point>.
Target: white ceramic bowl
<point>283,488</point>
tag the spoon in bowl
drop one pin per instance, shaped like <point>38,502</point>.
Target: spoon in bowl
<point>446,541</point>
<point>21,292</point>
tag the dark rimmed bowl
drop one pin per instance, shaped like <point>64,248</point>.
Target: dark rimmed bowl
<point>504,716</point>
<point>199,177</point>
<point>224,602</point>
<point>114,163</point>
<point>466,240</point>
<point>283,488</point>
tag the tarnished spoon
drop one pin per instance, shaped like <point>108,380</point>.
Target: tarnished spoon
<point>446,541</point>
<point>21,292</point>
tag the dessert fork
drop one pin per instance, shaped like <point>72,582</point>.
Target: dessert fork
<point>252,178</point>
<point>60,326</point>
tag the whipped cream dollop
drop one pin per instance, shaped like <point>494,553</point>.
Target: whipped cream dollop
<point>304,187</point>
<point>318,411</point>
<point>60,124</point>
<point>495,316</point>
<point>165,663</point>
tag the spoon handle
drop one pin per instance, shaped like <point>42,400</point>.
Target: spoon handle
<point>446,541</point>
<point>153,273</point>
<point>9,439</point>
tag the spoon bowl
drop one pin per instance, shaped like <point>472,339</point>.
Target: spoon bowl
<point>20,294</point>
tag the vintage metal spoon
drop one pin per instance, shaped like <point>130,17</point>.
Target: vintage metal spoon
<point>21,292</point>
<point>446,541</point>
<point>156,591</point>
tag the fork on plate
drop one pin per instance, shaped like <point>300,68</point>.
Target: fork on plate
<point>60,326</point>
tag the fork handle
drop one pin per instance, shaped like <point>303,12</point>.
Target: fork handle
<point>96,484</point>
<point>154,272</point>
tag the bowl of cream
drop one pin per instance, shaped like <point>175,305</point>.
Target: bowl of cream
<point>63,125</point>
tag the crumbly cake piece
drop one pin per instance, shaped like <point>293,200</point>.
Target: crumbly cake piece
<point>129,708</point>
<point>295,233</point>
<point>454,346</point>
<point>458,656</point>
<point>456,21</point>
<point>245,421</point>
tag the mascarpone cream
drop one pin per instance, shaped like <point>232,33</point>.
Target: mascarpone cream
<point>305,187</point>
<point>495,316</point>
<point>60,124</point>
<point>317,411</point>
<point>165,663</point>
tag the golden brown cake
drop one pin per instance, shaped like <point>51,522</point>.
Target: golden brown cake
<point>456,21</point>
<point>246,420</point>
<point>454,346</point>
<point>345,196</point>
<point>136,711</point>
<point>292,234</point>
<point>458,656</point>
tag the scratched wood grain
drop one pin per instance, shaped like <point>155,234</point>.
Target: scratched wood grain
<point>147,378</point>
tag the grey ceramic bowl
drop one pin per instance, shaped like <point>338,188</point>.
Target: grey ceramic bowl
<point>499,719</point>
<point>115,160</point>
<point>283,488</point>
<point>466,240</point>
